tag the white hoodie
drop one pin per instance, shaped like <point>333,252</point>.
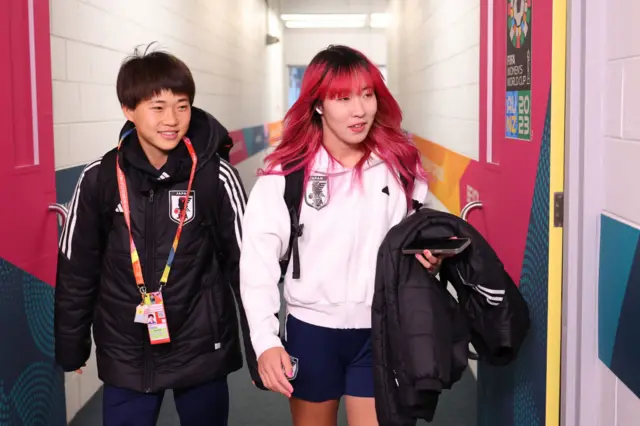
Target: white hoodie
<point>338,247</point>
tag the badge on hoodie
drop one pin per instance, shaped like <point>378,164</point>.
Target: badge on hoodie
<point>317,192</point>
<point>178,201</point>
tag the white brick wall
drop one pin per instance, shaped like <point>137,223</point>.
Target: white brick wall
<point>621,139</point>
<point>433,66</point>
<point>223,42</point>
<point>301,45</point>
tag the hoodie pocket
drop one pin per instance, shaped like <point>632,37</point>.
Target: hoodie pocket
<point>212,315</point>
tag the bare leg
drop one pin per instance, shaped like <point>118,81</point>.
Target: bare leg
<point>361,411</point>
<point>304,413</point>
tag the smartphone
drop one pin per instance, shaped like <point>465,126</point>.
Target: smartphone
<point>437,246</point>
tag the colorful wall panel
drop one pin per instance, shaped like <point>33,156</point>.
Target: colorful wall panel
<point>31,385</point>
<point>619,300</point>
<point>519,167</point>
<point>274,130</point>
<point>239,151</point>
<point>255,139</point>
<point>516,394</point>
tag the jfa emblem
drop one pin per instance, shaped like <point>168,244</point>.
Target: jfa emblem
<point>294,367</point>
<point>177,201</point>
<point>317,192</point>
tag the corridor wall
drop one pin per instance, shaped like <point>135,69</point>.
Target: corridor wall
<point>239,79</point>
<point>301,45</point>
<point>433,71</point>
<point>619,274</point>
<point>476,93</point>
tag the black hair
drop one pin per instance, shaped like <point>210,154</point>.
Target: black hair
<point>339,58</point>
<point>144,75</point>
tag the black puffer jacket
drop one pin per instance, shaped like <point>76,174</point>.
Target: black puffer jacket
<point>95,281</point>
<point>421,334</point>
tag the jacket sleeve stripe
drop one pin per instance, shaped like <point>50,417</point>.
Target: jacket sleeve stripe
<point>490,290</point>
<point>494,297</point>
<point>233,175</point>
<point>69,226</point>
<point>236,197</point>
<point>488,297</point>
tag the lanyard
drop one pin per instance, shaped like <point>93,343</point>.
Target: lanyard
<point>124,199</point>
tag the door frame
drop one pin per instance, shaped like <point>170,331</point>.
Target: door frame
<point>556,231</point>
<point>583,203</point>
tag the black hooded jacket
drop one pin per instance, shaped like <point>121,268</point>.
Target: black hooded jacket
<point>95,284</point>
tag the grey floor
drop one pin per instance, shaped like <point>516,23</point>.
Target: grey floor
<point>250,407</point>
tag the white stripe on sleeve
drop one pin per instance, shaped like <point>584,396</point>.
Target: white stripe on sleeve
<point>66,238</point>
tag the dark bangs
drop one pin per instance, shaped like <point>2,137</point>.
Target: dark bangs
<point>339,71</point>
<point>145,75</point>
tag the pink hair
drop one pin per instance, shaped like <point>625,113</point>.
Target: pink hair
<point>335,72</point>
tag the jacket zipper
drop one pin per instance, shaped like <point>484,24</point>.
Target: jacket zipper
<point>149,281</point>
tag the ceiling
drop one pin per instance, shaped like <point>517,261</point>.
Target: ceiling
<point>330,6</point>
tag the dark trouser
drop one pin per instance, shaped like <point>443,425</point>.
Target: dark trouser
<point>204,405</point>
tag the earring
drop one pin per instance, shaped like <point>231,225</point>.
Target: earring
<point>318,110</point>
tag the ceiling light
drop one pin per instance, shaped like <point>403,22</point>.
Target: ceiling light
<point>323,17</point>
<point>325,24</point>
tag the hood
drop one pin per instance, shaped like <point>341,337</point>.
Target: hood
<point>206,135</point>
<point>325,164</point>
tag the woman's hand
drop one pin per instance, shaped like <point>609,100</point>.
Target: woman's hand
<point>272,366</point>
<point>430,262</point>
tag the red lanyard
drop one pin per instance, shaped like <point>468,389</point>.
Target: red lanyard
<point>124,199</point>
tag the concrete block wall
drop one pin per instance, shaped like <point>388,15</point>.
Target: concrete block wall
<point>238,79</point>
<point>620,383</point>
<point>223,43</point>
<point>303,44</point>
<point>433,70</point>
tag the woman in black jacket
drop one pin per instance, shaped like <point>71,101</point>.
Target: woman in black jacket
<point>149,256</point>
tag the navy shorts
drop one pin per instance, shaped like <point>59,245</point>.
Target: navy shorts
<point>330,362</point>
<point>204,405</point>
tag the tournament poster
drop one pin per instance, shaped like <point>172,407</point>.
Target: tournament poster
<point>518,102</point>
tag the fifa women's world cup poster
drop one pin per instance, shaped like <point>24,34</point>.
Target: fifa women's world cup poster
<point>518,107</point>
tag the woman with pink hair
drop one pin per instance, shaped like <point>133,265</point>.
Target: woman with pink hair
<point>361,176</point>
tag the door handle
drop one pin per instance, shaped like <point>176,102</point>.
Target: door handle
<point>466,209</point>
<point>61,210</point>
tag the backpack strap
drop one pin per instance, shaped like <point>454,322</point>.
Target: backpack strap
<point>293,191</point>
<point>416,205</point>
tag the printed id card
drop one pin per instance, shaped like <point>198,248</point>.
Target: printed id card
<point>156,319</point>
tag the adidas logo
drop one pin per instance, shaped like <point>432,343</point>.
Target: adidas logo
<point>163,176</point>
<point>119,208</point>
